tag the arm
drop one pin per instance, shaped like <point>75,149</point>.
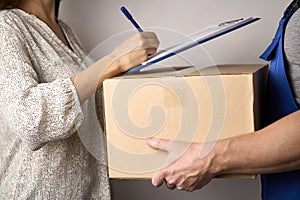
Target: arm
<point>272,149</point>
<point>39,113</point>
<point>131,53</point>
<point>36,112</point>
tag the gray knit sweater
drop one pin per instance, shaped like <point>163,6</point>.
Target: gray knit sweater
<point>42,156</point>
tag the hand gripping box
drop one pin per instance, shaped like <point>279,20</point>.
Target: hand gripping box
<point>187,105</point>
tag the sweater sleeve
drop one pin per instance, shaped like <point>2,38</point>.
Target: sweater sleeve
<point>36,112</point>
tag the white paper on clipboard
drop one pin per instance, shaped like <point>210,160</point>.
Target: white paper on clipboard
<point>195,39</point>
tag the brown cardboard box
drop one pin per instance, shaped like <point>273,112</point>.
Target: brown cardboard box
<point>188,105</point>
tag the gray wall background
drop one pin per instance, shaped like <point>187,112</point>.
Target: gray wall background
<point>96,20</point>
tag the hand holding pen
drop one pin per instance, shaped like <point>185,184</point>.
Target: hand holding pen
<point>132,52</point>
<point>136,25</point>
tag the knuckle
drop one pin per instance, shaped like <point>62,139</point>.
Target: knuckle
<point>172,171</point>
<point>172,182</point>
<point>180,186</point>
<point>164,173</point>
<point>139,43</point>
<point>158,142</point>
<point>151,51</point>
<point>152,34</point>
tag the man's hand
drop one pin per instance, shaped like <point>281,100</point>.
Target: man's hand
<point>186,169</point>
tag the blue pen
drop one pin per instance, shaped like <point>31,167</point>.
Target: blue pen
<point>130,18</point>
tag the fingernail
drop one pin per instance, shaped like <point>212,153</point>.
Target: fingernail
<point>150,141</point>
<point>155,184</point>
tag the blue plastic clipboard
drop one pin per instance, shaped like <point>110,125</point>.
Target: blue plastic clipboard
<point>199,38</point>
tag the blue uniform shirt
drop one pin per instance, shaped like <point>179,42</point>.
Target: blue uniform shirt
<point>280,102</point>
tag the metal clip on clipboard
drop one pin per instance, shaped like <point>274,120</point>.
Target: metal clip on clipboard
<point>231,22</point>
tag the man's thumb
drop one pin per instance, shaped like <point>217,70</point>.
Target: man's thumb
<point>158,144</point>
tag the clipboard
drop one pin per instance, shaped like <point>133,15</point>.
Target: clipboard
<point>193,40</point>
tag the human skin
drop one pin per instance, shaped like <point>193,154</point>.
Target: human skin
<point>130,53</point>
<point>272,149</point>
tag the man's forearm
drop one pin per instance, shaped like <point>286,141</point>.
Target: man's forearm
<point>275,148</point>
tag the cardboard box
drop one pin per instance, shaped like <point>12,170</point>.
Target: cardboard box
<point>187,105</point>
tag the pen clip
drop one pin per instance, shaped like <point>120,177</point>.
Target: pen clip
<point>231,22</point>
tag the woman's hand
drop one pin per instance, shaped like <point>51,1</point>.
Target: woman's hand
<point>130,53</point>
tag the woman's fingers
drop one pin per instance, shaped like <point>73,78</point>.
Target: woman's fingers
<point>134,58</point>
<point>132,52</point>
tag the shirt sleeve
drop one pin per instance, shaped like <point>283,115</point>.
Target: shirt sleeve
<point>292,55</point>
<point>36,112</point>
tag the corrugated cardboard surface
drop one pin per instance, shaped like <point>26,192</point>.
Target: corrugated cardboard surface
<point>215,103</point>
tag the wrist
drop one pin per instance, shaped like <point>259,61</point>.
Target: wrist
<point>217,157</point>
<point>113,66</point>
<point>105,68</point>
